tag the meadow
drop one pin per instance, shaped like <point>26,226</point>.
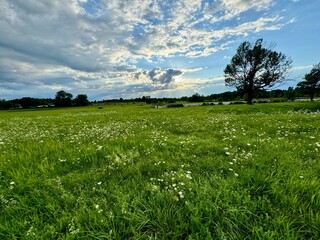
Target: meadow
<point>135,172</point>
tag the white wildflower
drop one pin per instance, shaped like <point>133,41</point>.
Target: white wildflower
<point>99,148</point>
<point>188,176</point>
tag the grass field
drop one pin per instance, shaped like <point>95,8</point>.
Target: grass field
<point>133,172</point>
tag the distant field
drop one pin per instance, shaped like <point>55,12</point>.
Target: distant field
<point>134,172</point>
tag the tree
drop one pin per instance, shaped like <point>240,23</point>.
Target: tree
<point>4,104</point>
<point>255,67</point>
<point>63,99</point>
<point>196,98</point>
<point>81,100</point>
<point>311,85</point>
<point>290,94</point>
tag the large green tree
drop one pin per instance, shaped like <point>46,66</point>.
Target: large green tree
<point>255,67</point>
<point>311,85</point>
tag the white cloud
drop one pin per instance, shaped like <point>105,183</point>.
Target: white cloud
<point>80,45</point>
<point>259,25</point>
<point>62,32</point>
<point>237,6</point>
<point>301,68</point>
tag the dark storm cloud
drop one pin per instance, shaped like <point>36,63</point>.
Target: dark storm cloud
<point>158,76</point>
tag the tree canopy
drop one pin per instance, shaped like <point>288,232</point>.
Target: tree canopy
<point>311,85</point>
<point>255,67</point>
<point>81,100</point>
<point>63,99</point>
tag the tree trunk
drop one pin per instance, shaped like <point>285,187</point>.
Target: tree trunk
<point>250,92</point>
<point>311,96</point>
<point>250,97</point>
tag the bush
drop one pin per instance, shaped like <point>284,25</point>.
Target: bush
<point>205,104</point>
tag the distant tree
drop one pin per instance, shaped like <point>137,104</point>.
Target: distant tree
<point>81,100</point>
<point>277,93</point>
<point>184,98</point>
<point>4,104</point>
<point>311,85</point>
<point>227,96</point>
<point>254,67</point>
<point>290,94</point>
<point>261,93</point>
<point>63,99</point>
<point>146,99</point>
<point>28,102</point>
<point>196,98</point>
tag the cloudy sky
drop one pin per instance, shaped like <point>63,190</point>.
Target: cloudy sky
<point>131,48</point>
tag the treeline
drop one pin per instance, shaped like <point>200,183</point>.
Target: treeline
<point>65,99</point>
<point>62,99</point>
<point>276,95</point>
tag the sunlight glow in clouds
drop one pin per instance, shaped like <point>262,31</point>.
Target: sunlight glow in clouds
<point>122,48</point>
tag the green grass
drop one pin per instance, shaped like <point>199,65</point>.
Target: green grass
<point>133,172</point>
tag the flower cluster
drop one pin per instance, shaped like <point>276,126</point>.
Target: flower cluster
<point>176,183</point>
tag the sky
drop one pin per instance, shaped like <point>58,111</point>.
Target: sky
<point>111,49</point>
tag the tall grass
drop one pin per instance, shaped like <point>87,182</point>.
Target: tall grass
<point>133,172</point>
